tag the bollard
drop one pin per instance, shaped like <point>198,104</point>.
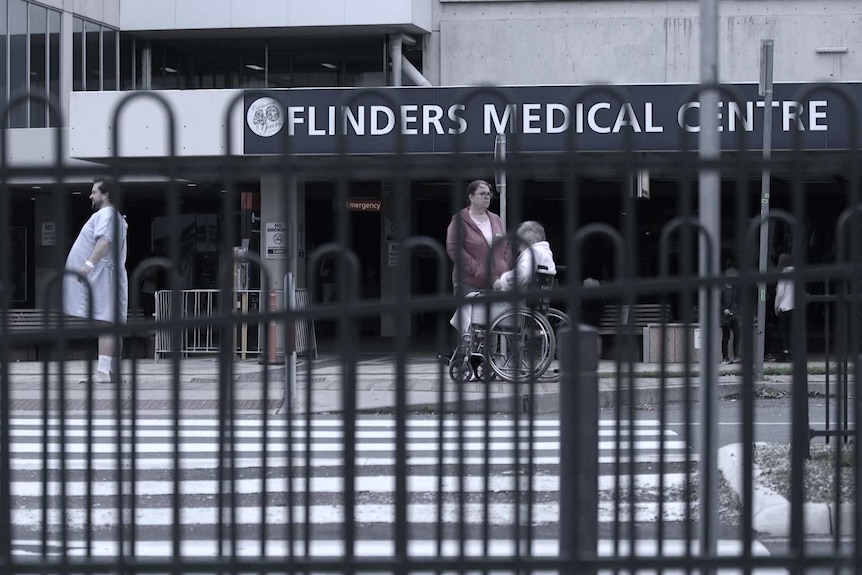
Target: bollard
<point>579,448</point>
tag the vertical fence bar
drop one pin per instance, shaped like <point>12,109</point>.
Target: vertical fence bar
<point>709,201</point>
<point>579,434</point>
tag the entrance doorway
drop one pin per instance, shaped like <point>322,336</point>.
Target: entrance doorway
<point>363,239</point>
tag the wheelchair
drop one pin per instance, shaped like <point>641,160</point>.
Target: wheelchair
<point>513,342</point>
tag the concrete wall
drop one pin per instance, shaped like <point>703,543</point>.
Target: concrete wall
<point>510,42</point>
<point>104,11</point>
<point>214,14</point>
<point>199,116</point>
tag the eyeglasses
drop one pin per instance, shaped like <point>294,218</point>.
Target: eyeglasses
<point>483,194</point>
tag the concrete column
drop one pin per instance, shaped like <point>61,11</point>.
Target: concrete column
<point>275,209</point>
<point>278,209</point>
<point>147,66</point>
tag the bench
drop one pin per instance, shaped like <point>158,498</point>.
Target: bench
<point>630,320</point>
<point>34,333</point>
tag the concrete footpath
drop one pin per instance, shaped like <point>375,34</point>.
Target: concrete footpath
<point>196,382</point>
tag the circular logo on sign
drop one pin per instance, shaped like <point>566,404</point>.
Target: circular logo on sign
<point>265,117</point>
<point>278,238</point>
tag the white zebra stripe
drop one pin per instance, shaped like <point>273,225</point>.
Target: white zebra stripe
<point>144,447</point>
<point>280,433</point>
<point>412,421</point>
<point>502,514</point>
<point>77,463</point>
<point>364,484</point>
<point>415,548</point>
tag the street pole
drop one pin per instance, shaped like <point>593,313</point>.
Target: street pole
<point>765,91</point>
<point>709,202</point>
<point>500,173</point>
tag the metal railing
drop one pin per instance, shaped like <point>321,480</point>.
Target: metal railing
<point>202,337</point>
<point>375,460</point>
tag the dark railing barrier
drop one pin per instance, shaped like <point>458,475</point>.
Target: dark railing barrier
<point>523,452</point>
<point>579,453</point>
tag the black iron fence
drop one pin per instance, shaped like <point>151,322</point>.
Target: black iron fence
<point>532,445</point>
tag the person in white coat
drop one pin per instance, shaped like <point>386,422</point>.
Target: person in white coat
<point>99,290</point>
<point>534,256</point>
<point>784,304</point>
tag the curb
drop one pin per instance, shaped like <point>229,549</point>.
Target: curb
<point>770,513</point>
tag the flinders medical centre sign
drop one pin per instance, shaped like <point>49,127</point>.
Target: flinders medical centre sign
<point>660,117</point>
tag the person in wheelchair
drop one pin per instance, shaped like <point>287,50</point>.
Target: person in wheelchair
<point>534,256</point>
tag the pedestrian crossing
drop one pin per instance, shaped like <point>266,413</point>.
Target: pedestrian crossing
<point>263,486</point>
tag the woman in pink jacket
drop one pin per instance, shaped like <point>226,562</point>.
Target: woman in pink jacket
<point>476,242</point>
<point>469,240</point>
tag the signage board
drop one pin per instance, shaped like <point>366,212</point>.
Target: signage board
<point>363,205</point>
<point>49,234</point>
<point>275,241</point>
<point>647,117</point>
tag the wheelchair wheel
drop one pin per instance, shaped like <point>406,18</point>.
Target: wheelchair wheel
<point>481,371</point>
<point>558,321</point>
<point>460,370</point>
<point>519,345</point>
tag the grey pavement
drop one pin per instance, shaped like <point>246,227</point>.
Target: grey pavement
<point>197,383</point>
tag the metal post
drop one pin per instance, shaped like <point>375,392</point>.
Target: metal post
<point>395,44</point>
<point>709,202</point>
<point>500,173</point>
<point>579,434</point>
<point>290,397</point>
<point>765,91</point>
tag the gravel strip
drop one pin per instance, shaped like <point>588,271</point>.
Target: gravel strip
<point>774,462</point>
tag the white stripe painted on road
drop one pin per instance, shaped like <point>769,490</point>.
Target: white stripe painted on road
<point>185,433</point>
<point>415,548</point>
<point>317,485</point>
<point>167,423</point>
<point>248,447</point>
<point>77,463</point>
<point>502,514</point>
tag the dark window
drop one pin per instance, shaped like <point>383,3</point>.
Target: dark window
<point>127,62</point>
<point>318,68</point>
<point>54,65</point>
<point>171,69</point>
<point>38,64</point>
<point>253,67</point>
<point>158,66</point>
<point>280,67</point>
<point>18,60</point>
<point>93,55</point>
<point>109,59</point>
<point>78,54</point>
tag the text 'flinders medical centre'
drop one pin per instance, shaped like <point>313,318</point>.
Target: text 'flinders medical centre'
<point>542,119</point>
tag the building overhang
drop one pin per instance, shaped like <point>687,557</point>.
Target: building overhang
<point>537,120</point>
<point>184,18</point>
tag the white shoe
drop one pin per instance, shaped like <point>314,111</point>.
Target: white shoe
<point>98,377</point>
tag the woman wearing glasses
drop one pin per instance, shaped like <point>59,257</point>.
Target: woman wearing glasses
<point>476,242</point>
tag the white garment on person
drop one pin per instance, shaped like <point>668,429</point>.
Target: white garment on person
<point>784,293</point>
<point>529,261</point>
<point>108,282</point>
<point>462,318</point>
<point>485,227</point>
<point>482,312</point>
